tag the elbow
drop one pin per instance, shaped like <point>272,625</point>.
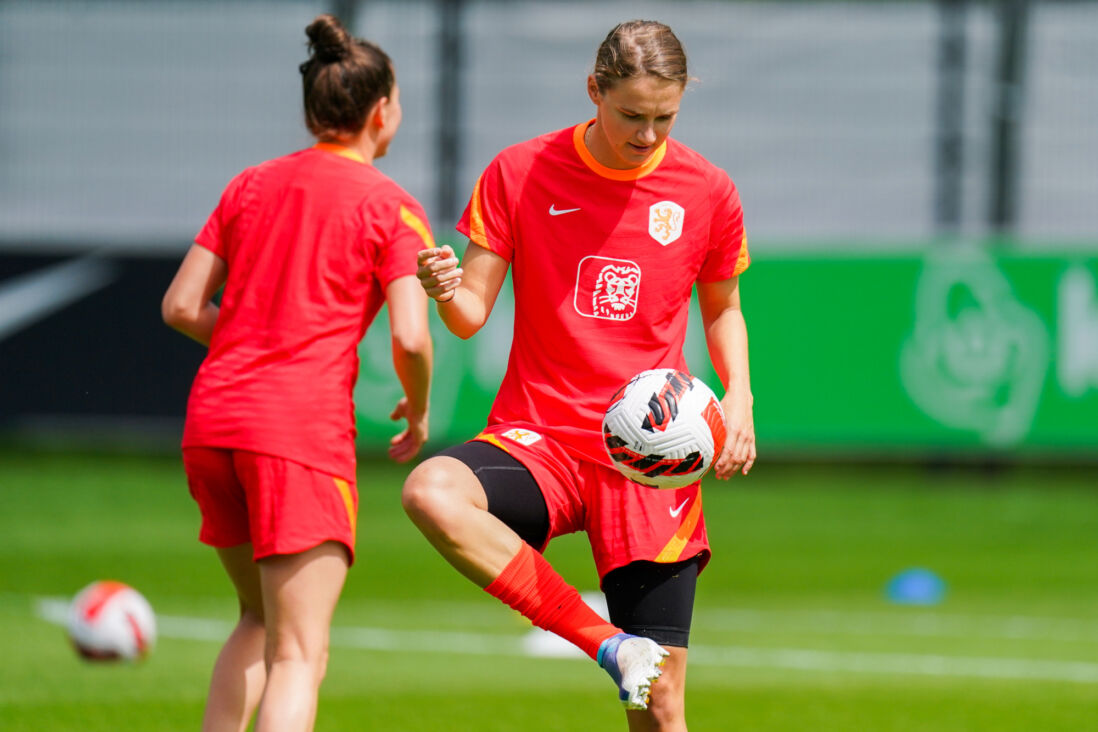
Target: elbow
<point>464,328</point>
<point>413,343</point>
<point>176,314</point>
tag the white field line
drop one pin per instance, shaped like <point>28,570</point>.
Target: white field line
<point>379,639</point>
<point>897,663</point>
<point>921,624</point>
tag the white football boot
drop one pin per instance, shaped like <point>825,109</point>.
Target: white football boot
<point>634,663</point>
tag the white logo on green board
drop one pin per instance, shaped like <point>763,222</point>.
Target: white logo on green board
<point>1077,358</point>
<point>977,357</point>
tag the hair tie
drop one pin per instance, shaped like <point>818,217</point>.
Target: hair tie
<point>332,53</point>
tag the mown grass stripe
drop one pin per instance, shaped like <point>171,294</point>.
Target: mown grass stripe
<point>405,641</point>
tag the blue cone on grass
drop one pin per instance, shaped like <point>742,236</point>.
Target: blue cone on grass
<point>916,586</point>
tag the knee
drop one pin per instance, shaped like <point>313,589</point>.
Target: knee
<point>667,705</point>
<point>431,493</point>
<point>251,614</point>
<point>292,648</point>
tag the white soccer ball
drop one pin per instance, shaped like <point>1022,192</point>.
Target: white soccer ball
<point>110,620</point>
<point>664,428</point>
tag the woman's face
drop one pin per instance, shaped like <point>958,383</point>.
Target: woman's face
<point>633,119</point>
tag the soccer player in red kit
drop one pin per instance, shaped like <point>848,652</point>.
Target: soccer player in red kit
<point>606,227</point>
<point>308,247</point>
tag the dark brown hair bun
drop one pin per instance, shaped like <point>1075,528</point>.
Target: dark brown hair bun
<point>342,79</point>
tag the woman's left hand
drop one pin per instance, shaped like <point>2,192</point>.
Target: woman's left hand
<point>739,444</point>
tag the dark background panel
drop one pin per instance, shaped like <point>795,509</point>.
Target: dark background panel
<point>108,354</point>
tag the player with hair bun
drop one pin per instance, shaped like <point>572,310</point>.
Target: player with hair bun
<point>606,227</point>
<point>308,247</point>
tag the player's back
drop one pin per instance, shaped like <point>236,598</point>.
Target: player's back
<point>297,234</point>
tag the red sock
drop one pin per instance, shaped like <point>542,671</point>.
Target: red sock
<point>530,585</point>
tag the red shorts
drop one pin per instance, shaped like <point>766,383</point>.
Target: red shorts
<point>280,506</point>
<point>625,521</point>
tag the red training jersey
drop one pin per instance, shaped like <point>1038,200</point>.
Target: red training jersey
<point>311,240</point>
<point>603,262</point>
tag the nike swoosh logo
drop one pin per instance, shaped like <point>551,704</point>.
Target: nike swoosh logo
<point>29,298</point>
<point>676,511</point>
<point>554,211</point>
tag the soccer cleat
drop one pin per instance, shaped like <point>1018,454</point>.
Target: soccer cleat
<point>633,663</point>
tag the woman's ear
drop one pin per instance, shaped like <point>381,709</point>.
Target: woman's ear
<point>593,90</point>
<point>379,114</point>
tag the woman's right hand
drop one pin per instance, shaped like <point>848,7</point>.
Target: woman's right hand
<point>405,445</point>
<point>439,273</point>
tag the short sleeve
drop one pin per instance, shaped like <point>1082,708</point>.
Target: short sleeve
<point>487,218</point>
<point>727,255</point>
<point>215,234</point>
<point>405,231</point>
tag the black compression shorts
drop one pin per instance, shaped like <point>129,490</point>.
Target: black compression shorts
<point>649,599</point>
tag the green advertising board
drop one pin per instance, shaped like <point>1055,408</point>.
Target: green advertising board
<point>944,350</point>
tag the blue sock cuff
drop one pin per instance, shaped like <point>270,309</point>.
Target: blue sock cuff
<point>606,646</point>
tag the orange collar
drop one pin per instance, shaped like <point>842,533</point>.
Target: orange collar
<point>341,150</point>
<point>644,169</point>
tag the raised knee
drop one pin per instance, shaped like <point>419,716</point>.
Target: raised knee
<point>430,491</point>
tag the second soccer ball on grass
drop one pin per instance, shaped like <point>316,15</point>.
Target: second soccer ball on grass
<point>110,621</point>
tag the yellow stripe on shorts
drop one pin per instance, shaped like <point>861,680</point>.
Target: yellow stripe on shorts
<point>673,551</point>
<point>491,440</point>
<point>348,502</point>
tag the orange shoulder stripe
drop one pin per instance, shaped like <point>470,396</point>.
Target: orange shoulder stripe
<point>476,218</point>
<point>417,225</point>
<point>744,260</point>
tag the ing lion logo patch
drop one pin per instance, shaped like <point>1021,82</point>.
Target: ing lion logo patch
<point>607,288</point>
<point>665,221</point>
<point>615,295</point>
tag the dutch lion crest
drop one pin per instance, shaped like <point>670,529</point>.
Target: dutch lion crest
<point>665,221</point>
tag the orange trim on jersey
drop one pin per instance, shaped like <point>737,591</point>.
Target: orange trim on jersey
<point>744,260</point>
<point>491,440</point>
<point>476,218</point>
<point>341,150</point>
<point>613,173</point>
<point>673,551</point>
<point>348,502</point>
<point>417,225</point>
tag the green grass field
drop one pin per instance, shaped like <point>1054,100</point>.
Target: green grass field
<point>792,629</point>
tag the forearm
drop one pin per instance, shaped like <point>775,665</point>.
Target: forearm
<point>463,314</point>
<point>726,337</point>
<point>198,325</point>
<point>413,369</point>
<point>465,295</point>
<point>726,334</point>
<point>188,304</point>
